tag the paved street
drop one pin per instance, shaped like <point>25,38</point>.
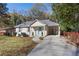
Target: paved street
<point>54,46</point>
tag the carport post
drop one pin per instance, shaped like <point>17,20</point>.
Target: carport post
<point>58,30</point>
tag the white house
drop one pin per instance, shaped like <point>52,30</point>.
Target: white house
<point>39,28</point>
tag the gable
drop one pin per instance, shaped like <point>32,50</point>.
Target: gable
<point>37,23</point>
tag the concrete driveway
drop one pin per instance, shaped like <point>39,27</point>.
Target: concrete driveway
<point>53,46</point>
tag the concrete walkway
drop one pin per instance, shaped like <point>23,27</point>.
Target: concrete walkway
<point>53,46</point>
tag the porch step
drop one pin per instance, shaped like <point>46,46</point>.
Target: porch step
<point>36,39</point>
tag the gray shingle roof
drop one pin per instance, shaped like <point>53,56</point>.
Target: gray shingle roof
<point>25,24</point>
<point>28,23</point>
<point>49,23</point>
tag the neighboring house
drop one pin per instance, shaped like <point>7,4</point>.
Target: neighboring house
<point>39,28</point>
<point>7,31</point>
<point>2,31</point>
<point>10,31</point>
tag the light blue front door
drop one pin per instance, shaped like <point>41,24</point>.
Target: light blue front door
<point>38,33</point>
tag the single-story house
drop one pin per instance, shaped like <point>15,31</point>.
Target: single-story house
<point>40,28</point>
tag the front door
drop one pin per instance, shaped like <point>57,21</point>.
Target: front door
<point>38,31</point>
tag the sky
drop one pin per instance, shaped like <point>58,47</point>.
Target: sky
<point>21,7</point>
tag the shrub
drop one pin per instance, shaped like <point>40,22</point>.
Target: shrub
<point>41,38</point>
<point>72,36</point>
<point>24,34</point>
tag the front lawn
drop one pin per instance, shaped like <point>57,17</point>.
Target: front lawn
<point>15,46</point>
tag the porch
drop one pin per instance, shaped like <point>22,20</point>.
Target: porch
<point>42,31</point>
<point>39,31</point>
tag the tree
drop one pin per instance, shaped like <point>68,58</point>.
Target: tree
<point>3,9</point>
<point>4,17</point>
<point>38,11</point>
<point>67,16</point>
<point>16,18</point>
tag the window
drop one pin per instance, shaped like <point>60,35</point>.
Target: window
<point>40,28</point>
<point>42,33</point>
<point>32,33</point>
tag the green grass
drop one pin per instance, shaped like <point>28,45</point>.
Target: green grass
<point>15,46</point>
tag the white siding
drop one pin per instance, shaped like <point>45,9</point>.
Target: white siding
<point>25,30</point>
<point>17,30</point>
<point>22,30</point>
<point>32,31</point>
